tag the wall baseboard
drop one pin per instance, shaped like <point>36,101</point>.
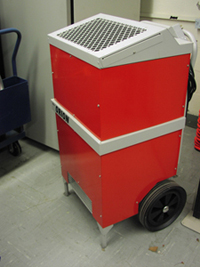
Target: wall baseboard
<point>191,120</point>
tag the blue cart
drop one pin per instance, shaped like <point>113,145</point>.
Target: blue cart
<point>14,104</point>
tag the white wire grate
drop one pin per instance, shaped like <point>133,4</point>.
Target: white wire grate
<point>99,33</point>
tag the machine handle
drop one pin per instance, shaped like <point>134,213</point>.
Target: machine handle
<point>194,48</point>
<point>19,37</point>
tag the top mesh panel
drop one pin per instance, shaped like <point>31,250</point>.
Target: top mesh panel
<point>99,33</point>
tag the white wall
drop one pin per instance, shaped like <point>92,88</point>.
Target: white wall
<point>158,11</point>
<point>183,9</point>
<point>34,19</point>
<point>122,8</point>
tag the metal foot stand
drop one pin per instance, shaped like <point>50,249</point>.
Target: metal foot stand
<point>104,232</point>
<point>66,187</point>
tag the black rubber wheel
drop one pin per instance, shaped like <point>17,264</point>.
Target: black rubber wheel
<point>15,149</point>
<point>162,205</point>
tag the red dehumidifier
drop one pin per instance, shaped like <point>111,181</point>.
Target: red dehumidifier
<point>120,90</point>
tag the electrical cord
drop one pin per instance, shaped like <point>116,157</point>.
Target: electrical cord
<point>191,89</point>
<point>191,85</point>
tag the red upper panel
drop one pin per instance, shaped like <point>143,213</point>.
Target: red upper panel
<point>119,100</point>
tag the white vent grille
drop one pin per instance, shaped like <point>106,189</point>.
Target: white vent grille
<point>99,33</point>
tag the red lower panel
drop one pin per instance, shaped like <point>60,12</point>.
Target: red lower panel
<point>129,174</point>
<point>118,181</point>
<point>83,164</point>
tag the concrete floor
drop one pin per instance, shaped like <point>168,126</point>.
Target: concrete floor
<point>40,226</point>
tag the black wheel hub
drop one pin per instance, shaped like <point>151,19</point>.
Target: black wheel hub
<point>164,208</point>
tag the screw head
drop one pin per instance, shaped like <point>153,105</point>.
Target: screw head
<point>165,209</point>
